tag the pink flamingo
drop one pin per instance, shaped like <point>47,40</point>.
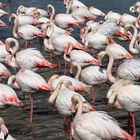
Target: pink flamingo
<point>128,70</point>
<point>61,99</point>
<point>129,101</point>
<point>79,56</point>
<point>95,124</point>
<point>27,31</point>
<point>9,97</point>
<point>29,58</point>
<point>91,75</point>
<point>77,85</point>
<point>29,10</point>
<point>29,81</point>
<point>112,16</point>
<point>63,20</point>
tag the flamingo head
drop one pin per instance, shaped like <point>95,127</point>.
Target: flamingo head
<point>21,10</point>
<point>36,14</point>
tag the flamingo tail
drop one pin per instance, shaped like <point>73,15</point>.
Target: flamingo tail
<point>127,136</point>
<point>46,63</point>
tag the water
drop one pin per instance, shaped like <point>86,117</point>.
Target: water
<point>47,122</point>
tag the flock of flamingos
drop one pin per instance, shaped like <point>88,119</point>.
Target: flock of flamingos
<point>97,38</point>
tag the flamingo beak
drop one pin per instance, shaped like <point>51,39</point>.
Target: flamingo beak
<point>21,105</point>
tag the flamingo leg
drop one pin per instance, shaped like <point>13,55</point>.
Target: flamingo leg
<point>129,121</point>
<point>50,57</point>
<point>92,90</point>
<point>59,67</point>
<point>71,70</point>
<point>134,125</point>
<point>27,44</point>
<point>64,124</point>
<point>31,109</point>
<point>65,69</point>
<point>70,127</point>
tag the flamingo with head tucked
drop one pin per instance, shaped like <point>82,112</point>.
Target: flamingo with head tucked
<point>30,82</point>
<point>95,124</point>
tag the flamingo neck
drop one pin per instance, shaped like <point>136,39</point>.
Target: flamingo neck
<point>109,68</point>
<point>79,70</point>
<point>80,106</point>
<point>132,43</point>
<point>15,28</point>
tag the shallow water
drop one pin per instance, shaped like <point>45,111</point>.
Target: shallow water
<point>47,122</point>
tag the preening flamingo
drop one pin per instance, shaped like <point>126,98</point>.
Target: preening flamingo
<point>61,98</point>
<point>29,10</point>
<point>95,124</point>
<point>77,85</point>
<point>29,82</point>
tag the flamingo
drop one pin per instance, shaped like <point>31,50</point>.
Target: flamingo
<point>61,98</point>
<point>29,10</point>
<point>95,124</point>
<point>133,46</point>
<point>112,16</point>
<point>63,20</point>
<point>118,51</point>
<point>8,97</point>
<point>128,70</point>
<point>79,56</point>
<point>77,85</point>
<point>4,134</point>
<point>128,101</point>
<point>29,58</point>
<point>27,31</point>
<point>91,75</point>
<point>135,8</point>
<point>126,18</point>
<point>23,19</point>
<point>75,4</point>
<point>28,81</point>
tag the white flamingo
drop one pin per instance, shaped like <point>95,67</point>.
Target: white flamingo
<point>95,125</point>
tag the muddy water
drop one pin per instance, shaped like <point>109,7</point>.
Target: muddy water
<point>47,122</point>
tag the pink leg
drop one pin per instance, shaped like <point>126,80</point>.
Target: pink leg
<point>71,127</point>
<point>134,125</point>
<point>65,70</point>
<point>71,70</point>
<point>129,121</point>
<point>92,96</point>
<point>58,60</point>
<point>26,44</point>
<point>31,109</point>
<point>64,124</point>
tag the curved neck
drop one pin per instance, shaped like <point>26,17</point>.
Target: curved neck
<point>110,65</point>
<point>50,7</point>
<point>15,28</point>
<point>132,43</point>
<point>8,43</point>
<point>79,70</point>
<point>56,92</point>
<point>54,77</point>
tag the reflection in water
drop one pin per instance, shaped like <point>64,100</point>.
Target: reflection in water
<point>47,122</point>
